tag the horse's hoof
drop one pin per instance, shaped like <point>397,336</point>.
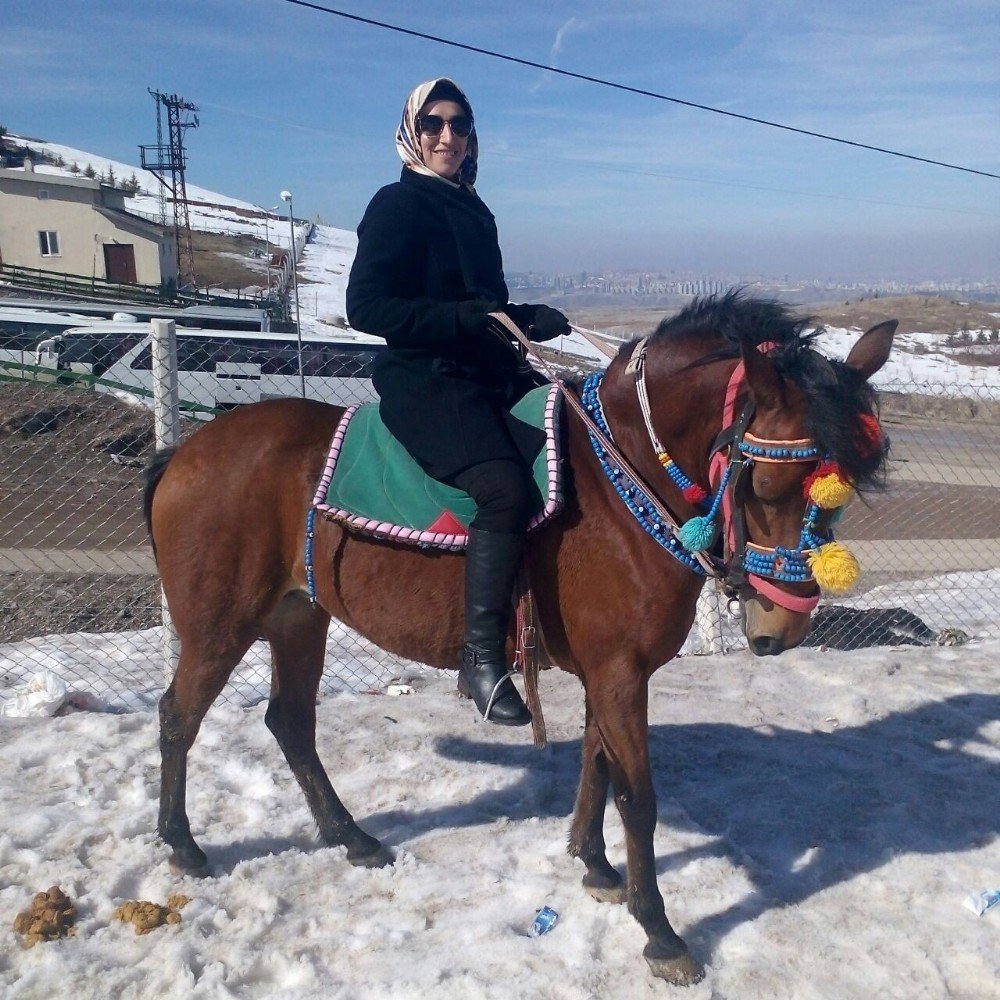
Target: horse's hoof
<point>192,868</point>
<point>604,889</point>
<point>379,858</point>
<point>681,970</point>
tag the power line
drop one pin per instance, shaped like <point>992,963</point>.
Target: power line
<point>617,168</point>
<point>627,89</point>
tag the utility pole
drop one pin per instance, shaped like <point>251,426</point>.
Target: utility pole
<point>161,160</point>
<point>156,95</point>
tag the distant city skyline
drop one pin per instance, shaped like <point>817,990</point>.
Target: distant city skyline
<point>580,177</point>
<point>714,281</point>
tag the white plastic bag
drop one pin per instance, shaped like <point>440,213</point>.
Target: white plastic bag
<point>980,902</point>
<point>40,698</point>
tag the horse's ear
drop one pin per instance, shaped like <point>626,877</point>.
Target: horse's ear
<point>764,382</point>
<point>872,349</point>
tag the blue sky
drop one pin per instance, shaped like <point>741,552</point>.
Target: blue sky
<point>579,176</point>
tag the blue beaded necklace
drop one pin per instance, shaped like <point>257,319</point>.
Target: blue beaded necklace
<point>631,494</point>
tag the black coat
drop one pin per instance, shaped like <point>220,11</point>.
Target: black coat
<point>423,247</point>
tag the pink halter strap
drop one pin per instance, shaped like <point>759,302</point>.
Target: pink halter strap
<point>717,466</point>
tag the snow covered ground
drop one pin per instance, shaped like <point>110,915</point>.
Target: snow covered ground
<point>906,371</point>
<point>822,817</point>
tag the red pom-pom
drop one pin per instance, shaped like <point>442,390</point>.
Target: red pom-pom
<point>869,436</point>
<point>694,494</point>
<point>823,469</point>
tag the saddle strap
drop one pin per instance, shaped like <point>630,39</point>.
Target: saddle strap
<point>526,653</point>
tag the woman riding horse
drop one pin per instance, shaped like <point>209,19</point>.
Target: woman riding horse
<point>735,378</point>
<point>427,274</point>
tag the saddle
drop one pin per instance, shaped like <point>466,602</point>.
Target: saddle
<point>371,484</point>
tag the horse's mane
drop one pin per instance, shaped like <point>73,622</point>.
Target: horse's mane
<point>836,396</point>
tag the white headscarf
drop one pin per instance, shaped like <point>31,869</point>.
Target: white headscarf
<point>408,142</point>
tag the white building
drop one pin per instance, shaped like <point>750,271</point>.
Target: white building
<point>78,226</point>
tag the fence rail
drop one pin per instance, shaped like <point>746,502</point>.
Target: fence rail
<point>78,284</point>
<point>78,584</point>
<point>81,286</point>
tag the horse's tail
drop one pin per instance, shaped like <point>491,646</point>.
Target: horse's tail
<point>154,473</point>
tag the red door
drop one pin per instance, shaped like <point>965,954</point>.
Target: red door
<point>119,263</point>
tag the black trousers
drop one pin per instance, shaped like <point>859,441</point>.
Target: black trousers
<point>502,490</point>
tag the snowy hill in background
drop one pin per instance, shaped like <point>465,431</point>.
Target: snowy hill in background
<point>323,268</point>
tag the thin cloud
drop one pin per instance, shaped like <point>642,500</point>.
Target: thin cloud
<point>560,35</point>
<point>567,27</point>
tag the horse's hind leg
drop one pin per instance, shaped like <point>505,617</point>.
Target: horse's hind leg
<point>201,675</point>
<point>586,837</point>
<point>297,633</point>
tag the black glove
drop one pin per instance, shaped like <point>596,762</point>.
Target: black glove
<point>472,316</point>
<point>539,322</point>
<point>481,341</point>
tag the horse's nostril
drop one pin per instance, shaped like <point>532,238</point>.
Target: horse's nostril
<point>766,645</point>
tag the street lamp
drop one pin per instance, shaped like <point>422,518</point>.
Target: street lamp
<point>267,245</point>
<point>287,196</point>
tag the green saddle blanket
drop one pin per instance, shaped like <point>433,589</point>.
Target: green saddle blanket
<point>371,483</point>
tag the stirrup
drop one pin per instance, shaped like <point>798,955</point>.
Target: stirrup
<point>496,688</point>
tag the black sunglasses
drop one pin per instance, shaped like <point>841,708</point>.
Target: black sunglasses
<point>460,125</point>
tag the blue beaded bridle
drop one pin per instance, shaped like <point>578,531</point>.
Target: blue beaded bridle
<point>732,457</point>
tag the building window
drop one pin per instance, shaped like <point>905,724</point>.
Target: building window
<point>43,194</point>
<point>48,242</point>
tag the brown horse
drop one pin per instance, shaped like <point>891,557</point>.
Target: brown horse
<point>227,515</point>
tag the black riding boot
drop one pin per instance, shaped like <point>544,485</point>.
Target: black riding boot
<point>491,562</point>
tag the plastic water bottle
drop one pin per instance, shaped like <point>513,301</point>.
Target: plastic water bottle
<point>545,920</point>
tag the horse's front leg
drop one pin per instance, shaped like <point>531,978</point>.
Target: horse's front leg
<point>620,712</point>
<point>586,835</point>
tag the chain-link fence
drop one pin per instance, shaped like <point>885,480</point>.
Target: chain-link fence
<point>79,596</point>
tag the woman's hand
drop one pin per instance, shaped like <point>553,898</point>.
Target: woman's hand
<point>473,316</point>
<point>547,324</point>
<point>481,341</point>
<point>539,322</point>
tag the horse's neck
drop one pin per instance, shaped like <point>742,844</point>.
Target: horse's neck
<point>607,561</point>
<point>686,413</point>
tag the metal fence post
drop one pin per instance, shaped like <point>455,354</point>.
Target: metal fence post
<point>708,619</point>
<point>167,424</point>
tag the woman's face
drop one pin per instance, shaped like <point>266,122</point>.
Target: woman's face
<point>443,153</point>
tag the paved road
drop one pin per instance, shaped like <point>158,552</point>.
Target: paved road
<point>136,562</point>
<point>942,513</point>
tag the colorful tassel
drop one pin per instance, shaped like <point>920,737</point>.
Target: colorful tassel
<point>834,567</point>
<point>869,436</point>
<point>697,534</point>
<point>694,494</point>
<point>827,487</point>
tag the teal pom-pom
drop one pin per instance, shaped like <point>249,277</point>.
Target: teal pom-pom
<point>696,535</point>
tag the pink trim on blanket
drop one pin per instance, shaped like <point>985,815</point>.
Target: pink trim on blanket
<point>435,539</point>
<point>331,458</point>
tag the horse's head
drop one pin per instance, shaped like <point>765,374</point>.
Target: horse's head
<point>809,437</point>
<point>799,434</point>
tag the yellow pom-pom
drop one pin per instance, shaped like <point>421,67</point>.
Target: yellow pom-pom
<point>829,492</point>
<point>834,568</point>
